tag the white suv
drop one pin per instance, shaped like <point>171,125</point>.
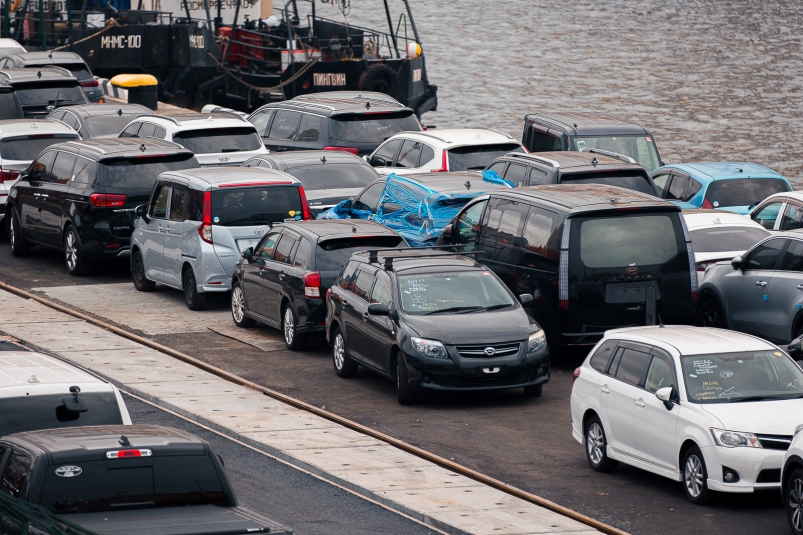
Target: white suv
<point>456,149</point>
<point>712,408</point>
<point>215,138</point>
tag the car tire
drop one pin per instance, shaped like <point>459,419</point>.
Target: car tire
<point>195,299</point>
<point>695,477</point>
<point>344,366</point>
<point>711,314</point>
<point>406,393</point>
<point>292,339</point>
<point>533,391</point>
<point>238,307</point>
<point>74,256</point>
<point>596,446</point>
<point>19,246</point>
<point>793,498</point>
<point>141,282</point>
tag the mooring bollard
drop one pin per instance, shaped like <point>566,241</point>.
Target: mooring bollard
<point>142,88</point>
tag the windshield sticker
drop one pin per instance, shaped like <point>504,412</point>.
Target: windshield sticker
<point>581,145</point>
<point>418,298</point>
<point>728,393</point>
<point>69,471</point>
<point>704,366</point>
<point>416,285</point>
<point>726,374</point>
<point>216,220</point>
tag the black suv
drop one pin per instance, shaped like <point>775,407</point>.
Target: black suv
<point>283,280</point>
<point>66,60</point>
<point>588,167</point>
<point>93,121</point>
<point>353,123</point>
<point>40,91</point>
<point>328,178</point>
<point>559,131</point>
<point>79,197</point>
<point>125,479</point>
<point>593,257</point>
<point>433,321</point>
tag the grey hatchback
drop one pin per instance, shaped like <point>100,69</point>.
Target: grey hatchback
<point>759,293</point>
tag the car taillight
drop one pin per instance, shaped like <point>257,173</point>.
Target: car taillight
<point>93,83</point>
<point>444,164</point>
<point>707,204</point>
<point>304,204</point>
<point>346,149</point>
<point>205,230</point>
<point>125,454</point>
<point>576,375</point>
<point>702,266</point>
<point>312,284</point>
<point>8,176</point>
<point>107,200</point>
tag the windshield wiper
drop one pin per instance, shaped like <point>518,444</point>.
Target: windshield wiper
<point>763,398</point>
<point>453,309</point>
<point>495,307</point>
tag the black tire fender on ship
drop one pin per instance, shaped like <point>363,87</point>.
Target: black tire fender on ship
<point>380,78</point>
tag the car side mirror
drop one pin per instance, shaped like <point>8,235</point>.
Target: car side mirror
<point>365,158</point>
<point>248,254</point>
<point>666,394</point>
<point>794,348</point>
<point>737,262</point>
<point>141,210</point>
<point>526,299</point>
<point>447,233</point>
<point>378,309</point>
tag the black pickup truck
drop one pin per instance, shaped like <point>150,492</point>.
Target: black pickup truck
<point>126,479</point>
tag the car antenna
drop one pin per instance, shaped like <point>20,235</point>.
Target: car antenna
<point>353,229</point>
<point>323,159</point>
<point>467,184</point>
<point>660,323</point>
<point>367,105</point>
<point>39,74</point>
<point>594,162</point>
<point>120,112</point>
<point>124,441</point>
<point>142,147</point>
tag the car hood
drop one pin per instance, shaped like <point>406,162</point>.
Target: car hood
<point>491,327</point>
<point>779,417</point>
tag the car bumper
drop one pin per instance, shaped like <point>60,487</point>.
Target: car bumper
<point>758,468</point>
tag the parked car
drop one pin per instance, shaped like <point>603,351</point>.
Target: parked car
<point>20,142</point>
<point>734,186</point>
<point>198,222</point>
<point>416,207</point>
<point>66,60</point>
<point>38,391</point>
<point>282,281</point>
<point>94,121</point>
<point>433,321</point>
<point>456,149</point>
<point>760,293</point>
<point>332,121</point>
<point>10,107</point>
<point>41,91</point>
<point>79,197</point>
<point>718,235</point>
<point>216,139</point>
<point>127,479</point>
<point>594,257</point>
<point>780,211</point>
<point>710,408</point>
<point>792,482</point>
<point>578,131</point>
<point>10,46</point>
<point>327,178</point>
<point>592,166</point>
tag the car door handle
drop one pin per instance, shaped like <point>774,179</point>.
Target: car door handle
<point>365,316</point>
<point>282,276</point>
<point>761,283</point>
<point>43,195</point>
<point>605,390</point>
<point>640,403</point>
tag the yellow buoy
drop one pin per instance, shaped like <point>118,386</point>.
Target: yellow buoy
<point>413,50</point>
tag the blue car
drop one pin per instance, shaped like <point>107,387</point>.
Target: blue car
<point>735,186</point>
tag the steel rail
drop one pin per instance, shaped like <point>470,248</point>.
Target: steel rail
<point>404,446</point>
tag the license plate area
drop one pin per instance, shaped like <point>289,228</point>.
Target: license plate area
<point>630,292</point>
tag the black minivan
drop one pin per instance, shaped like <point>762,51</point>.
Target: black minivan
<point>594,257</point>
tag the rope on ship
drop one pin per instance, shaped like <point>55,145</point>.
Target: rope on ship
<point>111,23</point>
<point>253,87</point>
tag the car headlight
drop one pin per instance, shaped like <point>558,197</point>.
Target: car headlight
<point>735,439</point>
<point>536,342</point>
<point>429,348</point>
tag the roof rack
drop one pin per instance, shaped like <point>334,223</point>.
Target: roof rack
<point>531,156</point>
<point>611,154</point>
<point>373,255</point>
<point>230,113</point>
<point>157,116</point>
<point>498,132</point>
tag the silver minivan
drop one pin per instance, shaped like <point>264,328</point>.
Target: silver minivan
<point>198,222</point>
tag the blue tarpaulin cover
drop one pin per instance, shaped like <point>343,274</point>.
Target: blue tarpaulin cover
<point>415,211</point>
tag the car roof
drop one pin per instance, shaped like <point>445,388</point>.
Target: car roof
<point>572,160</point>
<point>215,176</point>
<point>7,42</point>
<point>312,157</point>
<point>33,370</point>
<point>710,171</point>
<point>45,57</point>
<point>693,340</point>
<point>587,124</point>
<point>106,147</point>
<point>193,120</point>
<point>406,259</point>
<point>713,218</point>
<point>796,195</point>
<point>336,228</point>
<point>362,96</point>
<point>335,105</point>
<point>97,110</point>
<point>45,74</point>
<point>591,197</point>
<point>460,137</point>
<point>453,181</point>
<point>14,127</point>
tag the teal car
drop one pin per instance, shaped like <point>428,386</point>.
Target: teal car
<point>734,186</point>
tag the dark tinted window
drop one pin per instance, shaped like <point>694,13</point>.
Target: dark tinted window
<point>285,125</point>
<point>765,255</point>
<point>540,141</point>
<point>141,173</point>
<point>85,171</point>
<point>346,275</point>
<point>631,366</point>
<point>131,131</point>
<point>195,205</point>
<point>792,218</point>
<point>384,156</point>
<point>284,248</point>
<point>268,245</point>
<point>501,232</point>
<point>603,356</point>
<point>410,154</point>
<point>261,121</point>
<point>427,155</point>
<point>79,70</point>
<point>362,288</point>
<point>313,128</point>
<point>17,474</point>
<point>62,169</point>
<point>540,246</point>
<point>369,198</point>
<point>8,106</point>
<point>767,215</point>
<point>211,140</point>
<point>479,156</point>
<point>332,255</point>
<point>677,188</point>
<point>516,173</point>
<point>41,169</point>
<point>793,257</point>
<point>29,147</point>
<point>39,94</point>
<point>72,120</point>
<point>743,191</point>
<point>334,176</point>
<point>714,240</point>
<point>498,168</point>
<point>363,128</point>
<point>467,226</point>
<point>177,203</point>
<point>255,206</point>
<point>45,412</point>
<point>159,204</point>
<point>301,258</point>
<point>636,181</point>
<point>148,130</point>
<point>111,125</point>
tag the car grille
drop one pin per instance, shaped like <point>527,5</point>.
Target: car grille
<point>499,350</point>
<point>771,475</point>
<point>775,442</point>
<point>474,382</point>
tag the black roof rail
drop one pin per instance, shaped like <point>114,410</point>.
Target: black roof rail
<point>373,254</point>
<point>530,156</point>
<point>611,154</point>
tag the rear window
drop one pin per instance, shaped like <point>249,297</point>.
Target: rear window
<point>212,140</point>
<point>372,128</point>
<point>334,176</point>
<point>109,125</point>
<point>743,191</point>
<point>255,206</point>
<point>79,70</point>
<point>40,94</point>
<point>629,180</point>
<point>8,106</point>
<point>332,255</point>
<point>640,148</point>
<point>47,412</point>
<point>141,172</point>
<point>28,147</point>
<point>479,156</point>
<point>715,240</point>
<point>135,482</point>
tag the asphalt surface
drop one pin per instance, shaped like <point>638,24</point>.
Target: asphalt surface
<point>524,442</point>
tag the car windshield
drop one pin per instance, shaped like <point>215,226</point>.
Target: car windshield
<point>459,291</point>
<point>213,140</point>
<point>29,413</point>
<point>27,148</point>
<point>332,255</point>
<point>640,148</point>
<point>8,106</point>
<point>114,485</point>
<point>478,157</point>
<point>743,191</point>
<point>109,125</point>
<point>633,181</point>
<point>141,173</point>
<point>720,239</point>
<point>334,176</point>
<point>39,94</point>
<point>743,376</point>
<point>233,207</point>
<point>372,128</point>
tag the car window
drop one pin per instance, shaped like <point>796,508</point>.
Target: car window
<point>160,133</point>
<point>285,125</point>
<point>47,411</point>
<point>362,288</point>
<point>631,366</point>
<point>159,205</point>
<point>792,217</point>
<point>301,258</point>
<point>677,187</point>
<point>16,475</point>
<point>660,181</point>
<point>332,254</point>
<point>110,125</point>
<point>58,115</point>
<point>147,130</point>
<point>477,157</point>
<point>537,177</point>
<point>215,140</point>
<point>195,205</point>
<point>498,168</point>
<point>365,128</point>
<point>410,154</point>
<point>334,175</point>
<point>178,202</point>
<point>72,120</point>
<point>468,225</point>
<point>659,375</point>
<point>538,140</point>
<point>347,274</point>
<point>261,120</point>
<point>42,167</point>
<point>85,171</point>
<point>369,198</point>
<point>602,357</point>
<point>743,191</point>
<point>131,130</point>
<point>540,244</point>
<point>500,233</point>
<point>427,155</point>
<point>384,156</point>
<point>694,189</point>
<point>730,238</point>
<point>284,248</point>
<point>765,255</point>
<point>265,249</point>
<point>62,169</point>
<point>793,256</point>
<point>516,174</point>
<point>381,293</point>
<point>767,215</point>
<point>313,128</point>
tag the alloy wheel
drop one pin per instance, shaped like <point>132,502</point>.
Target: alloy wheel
<point>796,504</point>
<point>13,231</point>
<point>289,326</point>
<point>339,351</point>
<point>139,271</point>
<point>595,443</point>
<point>70,251</point>
<point>693,476</point>
<point>711,318</point>
<point>237,304</point>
